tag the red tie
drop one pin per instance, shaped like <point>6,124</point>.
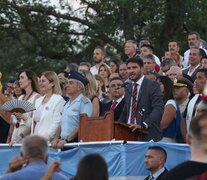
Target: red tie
<point>134,104</point>
<point>113,106</point>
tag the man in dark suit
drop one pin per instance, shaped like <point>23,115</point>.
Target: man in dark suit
<point>194,61</point>
<point>155,159</point>
<point>143,102</point>
<point>117,94</point>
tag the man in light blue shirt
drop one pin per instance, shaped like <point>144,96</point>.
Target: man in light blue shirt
<point>32,162</point>
<point>77,104</point>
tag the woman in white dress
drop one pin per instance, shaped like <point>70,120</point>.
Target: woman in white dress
<point>46,117</point>
<point>28,82</point>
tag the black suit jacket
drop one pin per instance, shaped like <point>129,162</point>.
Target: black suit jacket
<point>150,107</point>
<point>4,130</point>
<point>160,176</point>
<point>104,107</point>
<point>193,76</point>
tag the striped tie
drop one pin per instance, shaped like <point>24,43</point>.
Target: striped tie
<point>113,106</point>
<point>134,104</point>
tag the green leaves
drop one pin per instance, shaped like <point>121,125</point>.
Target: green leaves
<point>40,36</point>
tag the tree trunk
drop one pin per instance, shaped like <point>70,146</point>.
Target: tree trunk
<point>173,23</point>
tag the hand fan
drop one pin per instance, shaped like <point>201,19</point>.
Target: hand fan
<point>17,106</point>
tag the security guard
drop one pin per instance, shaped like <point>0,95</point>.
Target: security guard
<point>77,104</point>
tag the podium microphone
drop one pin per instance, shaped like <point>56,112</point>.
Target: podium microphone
<point>123,85</point>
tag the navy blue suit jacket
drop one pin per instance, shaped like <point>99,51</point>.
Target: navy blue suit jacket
<point>150,107</point>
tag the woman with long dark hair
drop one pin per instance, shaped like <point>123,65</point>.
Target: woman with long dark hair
<point>170,122</point>
<point>28,82</point>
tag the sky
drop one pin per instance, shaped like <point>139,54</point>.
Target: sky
<point>75,3</point>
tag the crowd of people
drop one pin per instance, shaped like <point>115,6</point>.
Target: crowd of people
<point>158,95</point>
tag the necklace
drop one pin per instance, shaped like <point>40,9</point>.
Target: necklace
<point>28,96</point>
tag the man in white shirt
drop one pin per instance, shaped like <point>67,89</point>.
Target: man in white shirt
<point>194,60</point>
<point>143,106</point>
<point>98,58</point>
<point>194,40</point>
<point>173,46</point>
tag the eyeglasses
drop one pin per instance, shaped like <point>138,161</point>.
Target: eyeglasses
<point>115,85</point>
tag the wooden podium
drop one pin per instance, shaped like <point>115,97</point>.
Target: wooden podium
<point>123,132</point>
<point>105,129</point>
<point>96,128</point>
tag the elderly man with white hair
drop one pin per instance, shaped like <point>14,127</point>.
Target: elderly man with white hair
<point>174,72</point>
<point>130,48</point>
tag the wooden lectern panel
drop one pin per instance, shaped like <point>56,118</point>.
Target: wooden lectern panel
<point>123,132</point>
<point>96,128</point>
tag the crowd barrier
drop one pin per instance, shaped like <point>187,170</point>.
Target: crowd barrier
<point>125,160</point>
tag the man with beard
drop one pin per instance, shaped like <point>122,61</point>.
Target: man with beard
<point>174,47</point>
<point>143,102</point>
<point>98,58</point>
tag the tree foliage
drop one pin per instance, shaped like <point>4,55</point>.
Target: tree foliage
<point>38,35</point>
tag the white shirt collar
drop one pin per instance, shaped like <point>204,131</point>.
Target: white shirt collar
<point>118,100</point>
<point>156,174</point>
<point>139,82</point>
<point>192,71</point>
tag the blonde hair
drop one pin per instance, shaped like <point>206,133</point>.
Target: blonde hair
<point>63,81</point>
<point>91,88</point>
<point>98,77</point>
<point>52,77</point>
<point>106,67</point>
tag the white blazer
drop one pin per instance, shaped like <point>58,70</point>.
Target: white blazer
<point>50,118</point>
